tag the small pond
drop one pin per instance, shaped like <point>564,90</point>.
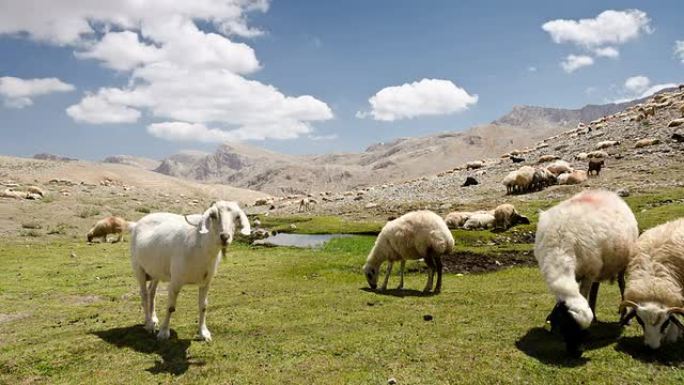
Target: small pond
<point>298,240</point>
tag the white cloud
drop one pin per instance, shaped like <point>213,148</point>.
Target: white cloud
<point>608,28</point>
<point>679,49</point>
<point>637,83</point>
<point>18,93</point>
<point>425,97</point>
<point>610,52</point>
<point>575,62</point>
<point>186,78</point>
<point>638,87</point>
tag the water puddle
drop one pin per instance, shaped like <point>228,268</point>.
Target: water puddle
<point>298,240</point>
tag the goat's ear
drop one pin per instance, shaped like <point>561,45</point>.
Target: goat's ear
<point>204,223</point>
<point>244,223</point>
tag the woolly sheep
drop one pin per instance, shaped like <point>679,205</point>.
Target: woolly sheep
<point>606,144</point>
<point>182,250</point>
<point>509,181</point>
<point>546,158</point>
<point>474,164</point>
<point>646,142</point>
<point>597,154</point>
<point>655,284</point>
<point>523,178</point>
<point>574,177</point>
<point>542,178</point>
<point>415,235</point>
<point>558,167</point>
<point>506,216</point>
<point>456,219</point>
<point>580,242</point>
<point>306,203</point>
<point>479,221</point>
<point>581,156</point>
<point>595,165</point>
<point>109,225</point>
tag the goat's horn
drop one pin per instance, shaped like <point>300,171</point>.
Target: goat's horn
<point>626,304</point>
<point>677,322</point>
<point>190,223</point>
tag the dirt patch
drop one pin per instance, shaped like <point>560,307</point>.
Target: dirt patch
<point>468,262</point>
<point>4,318</point>
<point>84,299</point>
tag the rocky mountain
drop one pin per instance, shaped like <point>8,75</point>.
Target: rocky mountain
<point>52,157</point>
<point>402,159</point>
<point>144,163</point>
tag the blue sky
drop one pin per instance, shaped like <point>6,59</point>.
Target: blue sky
<point>298,76</point>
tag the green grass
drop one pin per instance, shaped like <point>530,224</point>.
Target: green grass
<point>290,316</point>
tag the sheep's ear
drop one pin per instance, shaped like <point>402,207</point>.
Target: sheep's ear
<point>244,223</point>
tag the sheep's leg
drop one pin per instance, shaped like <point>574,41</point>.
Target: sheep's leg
<point>401,274</point>
<point>144,297</point>
<point>621,285</point>
<point>152,293</point>
<point>431,272</point>
<point>118,239</point>
<point>164,332</point>
<point>593,296</point>
<point>203,302</point>
<point>438,267</point>
<point>389,271</point>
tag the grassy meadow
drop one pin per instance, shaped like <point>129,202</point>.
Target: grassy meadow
<point>70,313</point>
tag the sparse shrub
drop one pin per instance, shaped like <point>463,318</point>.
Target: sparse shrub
<point>143,209</point>
<point>31,233</point>
<point>31,225</point>
<point>88,212</point>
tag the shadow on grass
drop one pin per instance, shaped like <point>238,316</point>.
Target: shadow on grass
<point>173,352</point>
<point>670,354</point>
<point>549,348</point>
<point>400,292</point>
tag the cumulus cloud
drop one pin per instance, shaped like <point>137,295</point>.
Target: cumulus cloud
<point>192,81</point>
<point>575,62</point>
<point>679,50</point>
<point>599,36</point>
<point>18,93</point>
<point>638,87</point>
<point>425,97</point>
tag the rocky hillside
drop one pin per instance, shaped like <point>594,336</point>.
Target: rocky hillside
<point>144,163</point>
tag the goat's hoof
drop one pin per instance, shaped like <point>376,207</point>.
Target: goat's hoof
<point>163,334</point>
<point>149,327</point>
<point>205,335</point>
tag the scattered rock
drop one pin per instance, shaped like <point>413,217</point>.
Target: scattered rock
<point>427,317</point>
<point>470,181</point>
<point>623,192</point>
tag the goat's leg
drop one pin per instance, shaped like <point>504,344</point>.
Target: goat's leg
<point>174,289</point>
<point>152,293</point>
<point>438,267</point>
<point>203,302</point>
<point>144,297</point>
<point>402,265</point>
<point>387,275</point>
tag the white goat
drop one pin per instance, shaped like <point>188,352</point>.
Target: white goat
<point>655,284</point>
<point>580,242</point>
<point>415,235</point>
<point>182,250</point>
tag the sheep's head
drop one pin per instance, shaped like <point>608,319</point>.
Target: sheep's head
<point>659,323</point>
<point>371,272</point>
<point>221,217</point>
<point>563,318</point>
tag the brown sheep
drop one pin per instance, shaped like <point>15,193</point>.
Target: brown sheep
<point>505,217</point>
<point>595,164</point>
<point>546,158</point>
<point>575,177</point>
<point>106,226</point>
<point>457,219</point>
<point>646,142</point>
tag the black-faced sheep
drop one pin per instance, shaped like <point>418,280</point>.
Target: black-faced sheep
<point>109,225</point>
<point>506,216</point>
<point>580,242</point>
<point>415,235</point>
<point>655,284</point>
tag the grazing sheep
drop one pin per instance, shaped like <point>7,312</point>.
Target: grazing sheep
<point>676,122</point>
<point>655,284</point>
<point>582,156</point>
<point>474,165</point>
<point>646,142</point>
<point>558,167</point>
<point>36,190</point>
<point>109,225</point>
<point>517,159</point>
<point>415,235</point>
<point>542,178</point>
<point>456,219</point>
<point>509,182</point>
<point>523,178</point>
<point>546,158</point>
<point>9,193</point>
<point>606,144</point>
<point>580,242</point>
<point>574,177</point>
<point>597,154</point>
<point>306,204</point>
<point>595,165</point>
<point>182,250</point>
<point>506,216</point>
<point>481,220</point>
